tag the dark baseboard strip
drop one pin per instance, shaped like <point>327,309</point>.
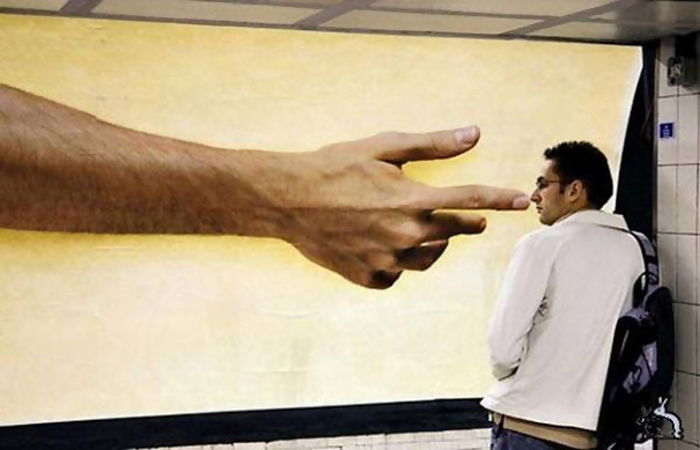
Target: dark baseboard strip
<point>248,426</point>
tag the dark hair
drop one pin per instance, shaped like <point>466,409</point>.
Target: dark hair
<point>580,160</point>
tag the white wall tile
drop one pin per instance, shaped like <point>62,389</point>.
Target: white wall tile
<point>191,447</point>
<point>372,439</point>
<point>667,149</point>
<point>667,260</point>
<point>686,269</point>
<point>673,403</point>
<point>648,445</point>
<point>249,446</point>
<point>687,199</point>
<point>458,435</point>
<point>680,445</point>
<point>686,337</point>
<point>695,276</point>
<point>688,129</point>
<point>687,404</point>
<point>692,89</point>
<point>666,219</point>
<point>400,437</point>
<point>666,444</point>
<point>341,441</point>
<point>697,341</point>
<point>666,50</point>
<point>310,443</point>
<point>429,436</point>
<point>450,445</point>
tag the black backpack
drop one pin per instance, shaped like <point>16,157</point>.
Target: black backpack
<point>641,366</point>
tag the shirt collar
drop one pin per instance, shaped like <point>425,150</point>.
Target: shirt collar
<point>596,217</point>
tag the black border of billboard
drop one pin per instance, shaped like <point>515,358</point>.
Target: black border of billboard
<point>249,426</point>
<point>635,192</point>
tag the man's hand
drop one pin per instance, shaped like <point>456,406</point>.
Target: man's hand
<point>349,208</point>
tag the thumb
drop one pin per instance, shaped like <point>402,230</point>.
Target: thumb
<point>398,148</point>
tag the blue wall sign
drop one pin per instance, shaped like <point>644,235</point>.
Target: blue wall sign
<point>666,130</point>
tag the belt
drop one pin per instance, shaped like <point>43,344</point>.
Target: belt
<point>568,436</point>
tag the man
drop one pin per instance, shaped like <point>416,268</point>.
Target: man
<point>565,287</point>
<point>346,206</point>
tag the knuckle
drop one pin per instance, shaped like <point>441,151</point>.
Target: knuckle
<point>383,279</point>
<point>381,260</point>
<point>481,224</point>
<point>423,264</point>
<point>435,147</point>
<point>364,278</point>
<point>421,258</point>
<point>416,198</point>
<point>473,199</point>
<point>409,236</point>
<point>390,170</point>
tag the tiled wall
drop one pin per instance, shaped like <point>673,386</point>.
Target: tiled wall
<point>437,440</point>
<point>678,235</point>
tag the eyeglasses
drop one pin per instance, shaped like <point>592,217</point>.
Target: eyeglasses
<point>542,183</point>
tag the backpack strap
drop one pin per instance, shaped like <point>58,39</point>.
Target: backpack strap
<point>651,260</point>
<point>649,279</point>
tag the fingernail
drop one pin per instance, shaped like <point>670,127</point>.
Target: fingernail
<point>467,135</point>
<point>521,202</point>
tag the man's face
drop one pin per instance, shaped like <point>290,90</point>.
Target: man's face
<point>548,197</point>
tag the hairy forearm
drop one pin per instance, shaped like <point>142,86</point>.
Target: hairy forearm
<point>346,206</point>
<point>65,170</point>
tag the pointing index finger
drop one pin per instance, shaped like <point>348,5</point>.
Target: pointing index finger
<point>476,197</point>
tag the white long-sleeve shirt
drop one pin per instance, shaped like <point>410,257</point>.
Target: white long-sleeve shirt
<point>552,328</point>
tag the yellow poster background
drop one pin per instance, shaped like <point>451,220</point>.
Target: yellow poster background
<point>102,326</point>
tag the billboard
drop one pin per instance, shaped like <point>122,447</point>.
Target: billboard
<point>128,324</point>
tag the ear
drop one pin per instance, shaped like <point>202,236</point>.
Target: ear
<point>576,192</point>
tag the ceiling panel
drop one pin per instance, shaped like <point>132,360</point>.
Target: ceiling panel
<point>658,12</point>
<point>617,21</point>
<point>305,3</point>
<point>505,7</point>
<point>381,20</point>
<point>607,32</point>
<point>197,10</point>
<point>44,5</point>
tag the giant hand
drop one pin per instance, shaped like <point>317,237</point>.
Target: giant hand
<point>347,206</point>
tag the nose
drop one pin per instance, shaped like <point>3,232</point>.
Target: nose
<point>535,197</point>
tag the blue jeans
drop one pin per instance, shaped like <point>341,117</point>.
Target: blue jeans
<point>512,440</point>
